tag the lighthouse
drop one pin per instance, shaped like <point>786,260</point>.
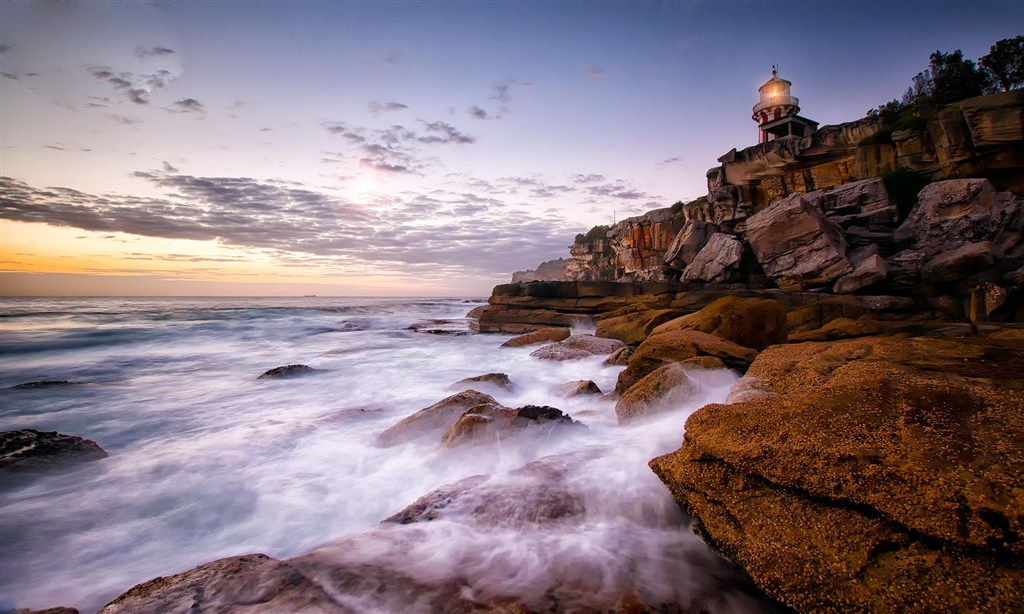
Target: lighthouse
<point>776,112</point>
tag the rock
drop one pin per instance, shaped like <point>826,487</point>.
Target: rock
<point>289,371</point>
<point>544,335</point>
<point>797,246</point>
<point>665,388</point>
<point>619,357</point>
<point>884,476</point>
<point>750,322</point>
<point>688,243</point>
<point>253,582</point>
<point>817,314</point>
<point>704,362</point>
<point>498,380</point>
<point>958,263</point>
<point>748,388</point>
<point>631,250</point>
<point>633,327</point>
<point>842,328</point>
<point>868,272</point>
<point>433,420</point>
<point>577,346</point>
<point>552,270</point>
<point>717,262</point>
<point>44,384</point>
<point>677,346</point>
<point>950,214</point>
<point>46,611</point>
<point>475,312</point>
<point>29,450</point>
<point>492,422</point>
<point>578,388</point>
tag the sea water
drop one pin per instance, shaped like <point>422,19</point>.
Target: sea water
<point>207,461</point>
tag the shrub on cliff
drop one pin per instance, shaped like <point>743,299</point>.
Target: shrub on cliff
<point>594,234</point>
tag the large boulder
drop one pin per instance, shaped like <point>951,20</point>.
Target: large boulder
<point>678,346</point>
<point>544,335</point>
<point>717,262</point>
<point>256,582</point>
<point>665,388</point>
<point>493,380</point>
<point>954,213</point>
<point>433,420</point>
<point>492,422</point>
<point>817,314</point>
<point>577,346</point>
<point>877,475</point>
<point>634,327</point>
<point>29,450</point>
<point>798,246</point>
<point>688,243</point>
<point>750,322</point>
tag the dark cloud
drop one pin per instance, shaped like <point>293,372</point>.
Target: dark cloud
<point>444,232</point>
<point>187,105</point>
<point>57,147</point>
<point>8,75</point>
<point>169,168</point>
<point>5,48</point>
<point>137,87</point>
<point>128,121</point>
<point>478,113</point>
<point>147,52</point>
<point>670,161</point>
<point>441,132</point>
<point>377,108</point>
<point>589,178</point>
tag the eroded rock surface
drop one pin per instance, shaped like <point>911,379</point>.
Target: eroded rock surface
<point>29,450</point>
<point>433,420</point>
<point>577,346</point>
<point>884,475</point>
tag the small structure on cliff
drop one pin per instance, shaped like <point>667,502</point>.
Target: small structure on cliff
<point>776,112</point>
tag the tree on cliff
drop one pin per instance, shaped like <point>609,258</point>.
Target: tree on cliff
<point>1005,63</point>
<point>950,78</point>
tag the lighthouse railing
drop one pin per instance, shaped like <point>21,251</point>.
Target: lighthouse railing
<point>777,101</point>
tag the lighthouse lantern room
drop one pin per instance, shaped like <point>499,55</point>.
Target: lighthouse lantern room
<point>776,112</point>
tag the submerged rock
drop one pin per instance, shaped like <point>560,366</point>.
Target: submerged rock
<point>577,346</point>
<point>435,419</point>
<point>289,371</point>
<point>45,384</point>
<point>251,583</point>
<point>578,388</point>
<point>29,450</point>
<point>492,422</point>
<point>881,474</point>
<point>677,346</point>
<point>498,380</point>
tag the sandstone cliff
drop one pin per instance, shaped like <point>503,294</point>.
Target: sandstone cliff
<point>631,250</point>
<point>551,270</point>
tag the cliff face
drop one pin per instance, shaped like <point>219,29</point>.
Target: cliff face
<point>552,270</point>
<point>631,250</point>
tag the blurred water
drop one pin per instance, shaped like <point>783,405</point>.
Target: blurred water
<point>207,461</point>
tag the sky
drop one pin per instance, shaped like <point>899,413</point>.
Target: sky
<point>393,148</point>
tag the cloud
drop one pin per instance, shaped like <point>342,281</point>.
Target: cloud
<point>441,132</point>
<point>147,52</point>
<point>478,113</point>
<point>128,121</point>
<point>597,72</point>
<point>8,75</point>
<point>377,107</point>
<point>670,161</point>
<point>137,87</point>
<point>186,105</point>
<point>5,48</point>
<point>589,178</point>
<point>393,57</point>
<point>440,233</point>
<point>169,168</point>
<point>57,147</point>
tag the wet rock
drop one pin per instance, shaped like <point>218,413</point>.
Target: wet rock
<point>665,388</point>
<point>677,346</point>
<point>619,357</point>
<point>578,388</point>
<point>717,262</point>
<point>748,388</point>
<point>491,422</point>
<point>704,362</point>
<point>45,384</point>
<point>433,420</point>
<point>455,328</point>
<point>750,322</point>
<point>46,611</point>
<point>289,371</point>
<point>883,476</point>
<point>544,335</point>
<point>475,312</point>
<point>251,583</point>
<point>497,380</point>
<point>633,327</point>
<point>577,346</point>
<point>819,313</point>
<point>29,450</point>
<point>798,246</point>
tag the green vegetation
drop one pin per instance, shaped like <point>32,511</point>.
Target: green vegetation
<point>950,78</point>
<point>903,186</point>
<point>594,234</point>
<point>677,207</point>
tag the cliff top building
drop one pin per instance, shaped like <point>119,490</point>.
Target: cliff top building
<point>776,112</point>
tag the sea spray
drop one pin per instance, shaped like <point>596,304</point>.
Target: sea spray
<point>208,461</point>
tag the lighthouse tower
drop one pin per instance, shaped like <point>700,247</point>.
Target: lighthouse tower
<point>776,112</point>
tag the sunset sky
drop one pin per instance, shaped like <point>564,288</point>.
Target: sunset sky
<point>362,148</point>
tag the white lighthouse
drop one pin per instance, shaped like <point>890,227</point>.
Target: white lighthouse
<point>776,112</point>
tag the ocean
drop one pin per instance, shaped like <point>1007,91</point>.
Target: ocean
<point>207,461</point>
